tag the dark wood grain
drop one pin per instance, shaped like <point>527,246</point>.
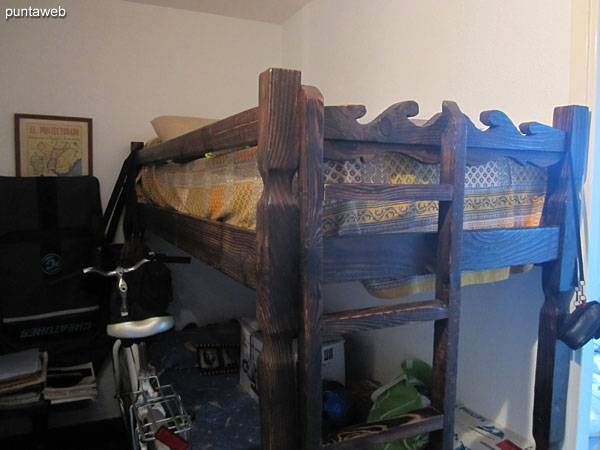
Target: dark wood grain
<point>364,257</point>
<point>559,208</point>
<point>558,280</point>
<point>448,274</point>
<point>383,316</point>
<point>384,192</point>
<point>227,248</point>
<point>310,188</point>
<point>493,249</point>
<point>429,154</point>
<point>277,229</point>
<point>384,431</point>
<point>502,134</point>
<point>350,258</point>
<point>239,130</point>
<point>393,126</point>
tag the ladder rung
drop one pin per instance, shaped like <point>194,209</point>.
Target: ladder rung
<point>388,192</point>
<point>383,316</point>
<point>384,431</point>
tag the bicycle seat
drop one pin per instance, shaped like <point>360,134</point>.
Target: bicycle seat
<point>137,329</point>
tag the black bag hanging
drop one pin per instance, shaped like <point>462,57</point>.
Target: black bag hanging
<point>49,227</point>
<point>583,324</point>
<point>150,287</point>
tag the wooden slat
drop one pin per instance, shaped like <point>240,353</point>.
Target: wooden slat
<point>384,431</point>
<point>278,255</point>
<point>310,187</point>
<point>383,316</point>
<point>364,257</point>
<point>502,248</point>
<point>396,192</point>
<point>233,250</point>
<point>230,249</point>
<point>239,130</point>
<point>394,127</point>
<point>430,154</point>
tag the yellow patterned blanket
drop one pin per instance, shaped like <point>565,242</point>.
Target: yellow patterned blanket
<point>499,194</point>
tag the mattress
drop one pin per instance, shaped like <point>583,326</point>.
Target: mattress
<point>498,194</point>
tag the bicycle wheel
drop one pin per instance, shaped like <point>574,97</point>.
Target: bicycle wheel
<point>122,372</point>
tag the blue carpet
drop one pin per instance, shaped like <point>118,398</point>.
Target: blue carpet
<point>224,417</point>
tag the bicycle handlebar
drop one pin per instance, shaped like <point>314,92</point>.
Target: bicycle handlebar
<point>119,271</point>
<point>122,270</point>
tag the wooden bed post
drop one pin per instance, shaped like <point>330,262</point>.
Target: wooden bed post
<point>310,187</point>
<point>278,256</point>
<point>552,369</point>
<point>448,274</point>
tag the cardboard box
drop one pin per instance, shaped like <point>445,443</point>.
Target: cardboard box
<point>472,431</point>
<point>249,351</point>
<point>333,362</point>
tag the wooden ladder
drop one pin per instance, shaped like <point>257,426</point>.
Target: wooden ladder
<point>444,309</point>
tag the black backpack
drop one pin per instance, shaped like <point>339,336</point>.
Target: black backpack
<point>50,227</point>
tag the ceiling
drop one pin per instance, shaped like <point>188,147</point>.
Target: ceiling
<point>272,11</point>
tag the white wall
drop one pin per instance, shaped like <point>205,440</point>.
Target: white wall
<point>123,64</point>
<point>510,55</point>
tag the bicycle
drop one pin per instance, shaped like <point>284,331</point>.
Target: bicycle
<point>153,413</point>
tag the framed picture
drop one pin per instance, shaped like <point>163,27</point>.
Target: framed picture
<point>53,146</point>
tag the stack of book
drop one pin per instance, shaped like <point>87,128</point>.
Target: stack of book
<point>71,384</point>
<point>25,378</point>
<point>22,377</point>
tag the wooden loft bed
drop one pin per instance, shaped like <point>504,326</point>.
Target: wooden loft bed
<point>287,258</point>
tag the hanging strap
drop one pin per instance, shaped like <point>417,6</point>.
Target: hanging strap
<point>131,221</point>
<point>124,197</point>
<point>112,214</point>
<point>580,296</point>
<point>581,325</point>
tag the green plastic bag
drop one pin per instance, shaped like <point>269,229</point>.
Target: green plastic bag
<point>401,396</point>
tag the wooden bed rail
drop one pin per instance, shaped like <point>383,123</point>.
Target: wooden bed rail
<point>229,249</point>
<point>232,250</point>
<point>237,131</point>
<point>391,131</point>
<point>367,257</point>
<point>394,131</point>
